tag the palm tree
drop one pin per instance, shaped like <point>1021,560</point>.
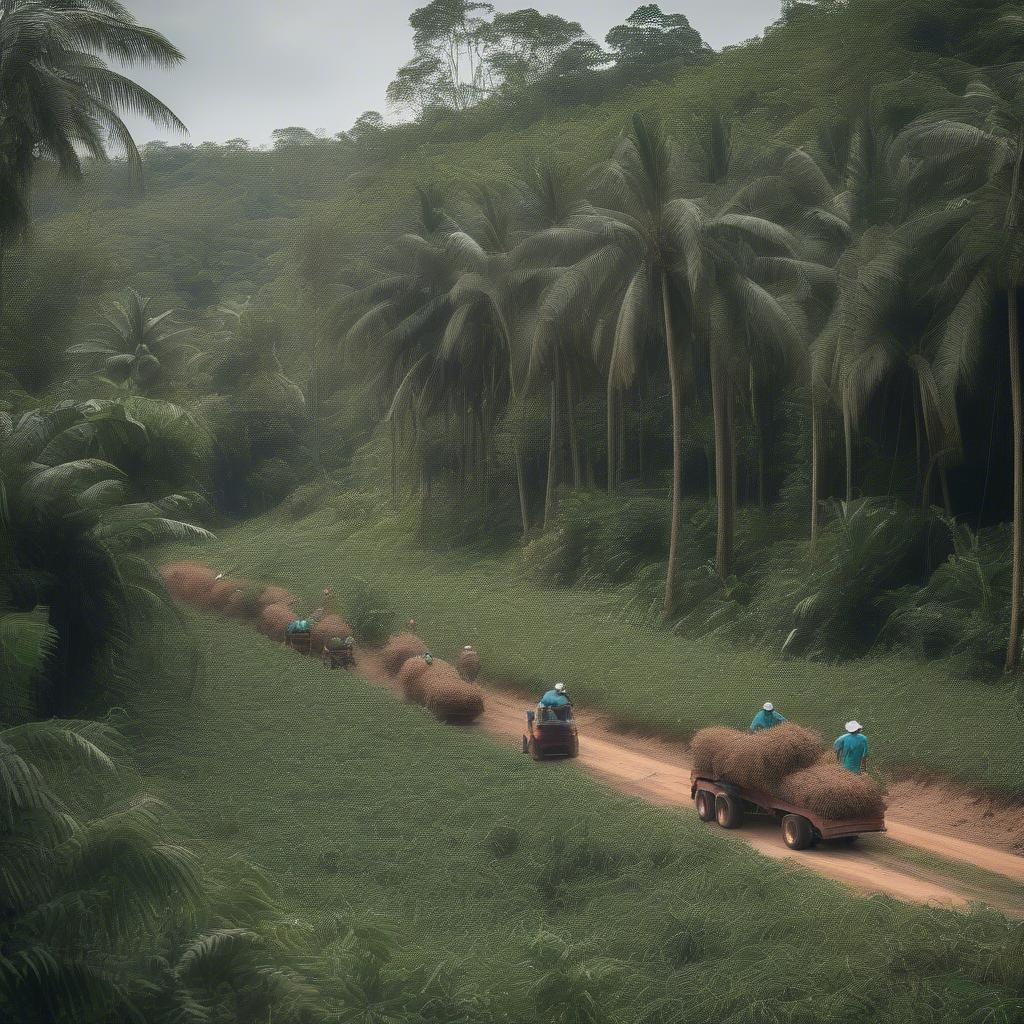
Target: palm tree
<point>978,148</point>
<point>58,99</point>
<point>133,348</point>
<point>80,882</point>
<point>69,530</point>
<point>635,267</point>
<point>742,324</point>
<point>403,314</point>
<point>549,204</point>
<point>493,319</point>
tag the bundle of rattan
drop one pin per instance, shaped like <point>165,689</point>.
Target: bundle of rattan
<point>410,678</point>
<point>399,649</point>
<point>468,664</point>
<point>276,595</point>
<point>274,620</point>
<point>451,699</point>
<point>189,582</point>
<point>327,628</point>
<point>829,789</point>
<point>755,760</point>
<point>227,596</point>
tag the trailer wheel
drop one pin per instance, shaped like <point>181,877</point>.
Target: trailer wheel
<point>728,811</point>
<point>705,802</point>
<point>797,832</point>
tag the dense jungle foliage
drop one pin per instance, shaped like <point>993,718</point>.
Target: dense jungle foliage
<point>736,329</point>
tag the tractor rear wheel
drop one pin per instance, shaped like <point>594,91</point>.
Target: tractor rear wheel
<point>526,745</point>
<point>705,801</point>
<point>533,750</point>
<point>728,811</point>
<point>797,832</point>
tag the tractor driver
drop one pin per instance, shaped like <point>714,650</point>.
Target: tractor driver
<point>555,700</point>
<point>766,717</point>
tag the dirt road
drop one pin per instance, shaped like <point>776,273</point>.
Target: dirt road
<point>659,771</point>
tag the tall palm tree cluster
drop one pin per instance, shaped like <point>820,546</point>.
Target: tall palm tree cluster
<point>723,279</point>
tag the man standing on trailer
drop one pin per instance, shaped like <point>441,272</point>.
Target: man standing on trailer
<point>852,748</point>
<point>766,717</point>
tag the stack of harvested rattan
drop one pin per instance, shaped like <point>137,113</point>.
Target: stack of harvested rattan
<point>789,762</point>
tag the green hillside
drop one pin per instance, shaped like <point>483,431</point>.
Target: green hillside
<point>514,891</point>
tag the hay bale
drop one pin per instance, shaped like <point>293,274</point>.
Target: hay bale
<point>707,747</point>
<point>240,603</point>
<point>329,626</point>
<point>755,760</point>
<point>468,664</point>
<point>274,619</point>
<point>225,594</point>
<point>411,676</point>
<point>399,649</point>
<point>196,581</point>
<point>172,574</point>
<point>828,789</point>
<point>276,595</point>
<point>758,760</point>
<point>452,699</point>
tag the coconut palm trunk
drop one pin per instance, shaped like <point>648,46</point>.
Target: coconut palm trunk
<point>574,441</point>
<point>848,445</point>
<point>553,448</point>
<point>1017,576</point>
<point>815,470</point>
<point>676,383</point>
<point>394,463</point>
<point>524,512</point>
<point>725,491</point>
<point>611,433</point>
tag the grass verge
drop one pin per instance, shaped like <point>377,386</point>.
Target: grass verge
<point>917,715</point>
<point>541,896</point>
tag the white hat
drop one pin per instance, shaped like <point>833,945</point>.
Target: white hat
<point>468,647</point>
<point>768,706</point>
<point>853,726</point>
<point>559,687</point>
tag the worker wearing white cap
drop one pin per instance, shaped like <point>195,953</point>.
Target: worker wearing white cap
<point>766,717</point>
<point>852,747</point>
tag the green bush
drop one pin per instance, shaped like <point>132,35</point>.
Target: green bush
<point>603,539</point>
<point>369,612</point>
<point>962,611</point>
<point>831,604</point>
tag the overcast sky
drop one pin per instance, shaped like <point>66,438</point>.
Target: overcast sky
<point>256,65</point>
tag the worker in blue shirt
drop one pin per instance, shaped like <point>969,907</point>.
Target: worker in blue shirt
<point>555,698</point>
<point>852,747</point>
<point>766,717</point>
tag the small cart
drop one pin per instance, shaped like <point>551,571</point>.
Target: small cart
<point>721,801</point>
<point>550,732</point>
<point>298,635</point>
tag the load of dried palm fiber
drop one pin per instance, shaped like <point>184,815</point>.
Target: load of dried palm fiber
<point>274,620</point>
<point>399,649</point>
<point>225,595</point>
<point>707,746</point>
<point>171,574</point>
<point>755,760</point>
<point>452,699</point>
<point>195,582</point>
<point>241,603</point>
<point>328,627</point>
<point>276,595</point>
<point>468,664</point>
<point>411,678</point>
<point>829,789</point>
